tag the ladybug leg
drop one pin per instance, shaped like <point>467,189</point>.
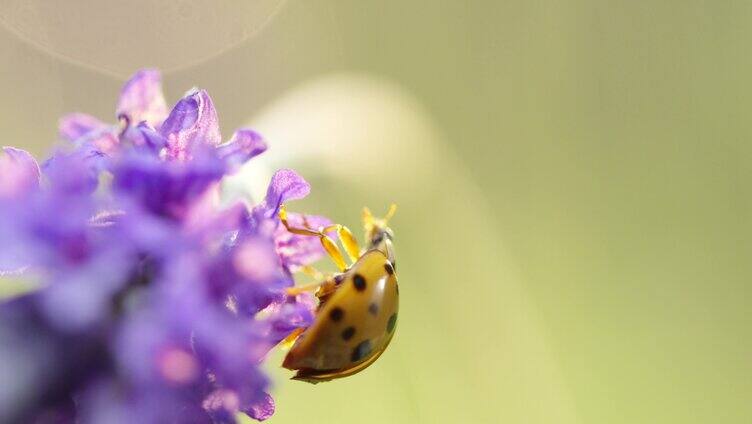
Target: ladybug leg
<point>328,244</point>
<point>318,277</point>
<point>288,341</point>
<point>347,239</point>
<point>323,288</point>
<point>345,236</point>
<point>312,272</point>
<point>294,291</point>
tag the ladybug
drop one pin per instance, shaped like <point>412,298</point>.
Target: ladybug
<point>357,312</point>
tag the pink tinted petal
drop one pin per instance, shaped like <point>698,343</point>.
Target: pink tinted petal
<point>141,98</point>
<point>76,125</point>
<point>222,405</point>
<point>192,124</point>
<point>176,365</point>
<point>105,141</point>
<point>255,260</point>
<point>261,409</point>
<point>19,172</point>
<point>244,145</point>
<point>81,128</point>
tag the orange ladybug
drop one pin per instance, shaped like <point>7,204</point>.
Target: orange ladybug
<point>357,312</point>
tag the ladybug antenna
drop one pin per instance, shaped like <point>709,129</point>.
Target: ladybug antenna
<point>368,219</point>
<point>390,213</point>
<point>371,223</point>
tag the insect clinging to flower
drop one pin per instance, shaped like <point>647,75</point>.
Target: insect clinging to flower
<point>357,312</point>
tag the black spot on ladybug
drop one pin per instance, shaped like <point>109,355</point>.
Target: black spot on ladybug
<point>361,351</point>
<point>373,309</point>
<point>336,314</point>
<point>392,322</point>
<point>359,282</point>
<point>389,268</point>
<point>348,333</point>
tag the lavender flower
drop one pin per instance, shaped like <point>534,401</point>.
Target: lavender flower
<point>149,292</point>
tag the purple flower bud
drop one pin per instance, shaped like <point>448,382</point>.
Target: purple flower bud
<point>141,99</point>
<point>192,125</point>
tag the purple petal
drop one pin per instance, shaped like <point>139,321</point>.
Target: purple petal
<point>255,260</point>
<point>142,100</point>
<point>168,189</point>
<point>205,219</point>
<point>106,401</point>
<point>244,145</point>
<point>19,172</point>
<point>62,414</point>
<point>75,172</point>
<point>222,405</point>
<point>50,230</point>
<point>145,136</point>
<point>16,252</point>
<point>192,124</point>
<point>76,125</point>
<point>289,315</point>
<point>72,303</point>
<point>251,274</point>
<point>261,409</point>
<point>286,185</point>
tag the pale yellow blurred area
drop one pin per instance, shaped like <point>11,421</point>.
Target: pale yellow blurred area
<point>573,236</point>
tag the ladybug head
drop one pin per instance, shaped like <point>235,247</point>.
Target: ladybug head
<point>378,234</point>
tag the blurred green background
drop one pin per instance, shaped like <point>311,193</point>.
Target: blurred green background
<point>573,180</point>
